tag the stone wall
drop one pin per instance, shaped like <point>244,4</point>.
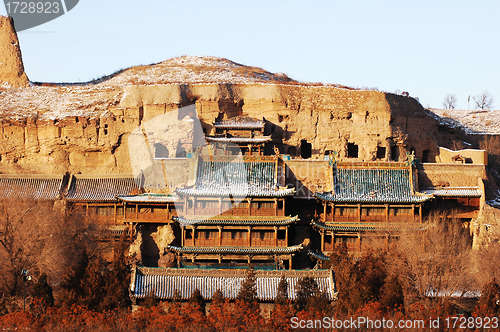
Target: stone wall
<point>450,175</point>
<point>469,156</point>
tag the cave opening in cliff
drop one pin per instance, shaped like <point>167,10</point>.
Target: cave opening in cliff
<point>352,150</point>
<point>181,151</point>
<point>161,151</point>
<point>425,156</point>
<point>380,152</point>
<point>395,152</point>
<point>305,149</point>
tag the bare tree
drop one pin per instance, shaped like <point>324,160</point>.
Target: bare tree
<point>435,263</point>
<point>484,100</point>
<point>450,101</point>
<point>40,237</point>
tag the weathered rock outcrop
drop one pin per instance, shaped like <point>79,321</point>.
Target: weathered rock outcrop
<point>11,63</point>
<point>319,118</point>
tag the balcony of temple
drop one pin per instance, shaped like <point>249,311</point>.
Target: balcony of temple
<point>234,207</point>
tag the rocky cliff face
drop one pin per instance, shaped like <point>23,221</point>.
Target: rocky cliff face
<point>11,63</point>
<point>358,125</point>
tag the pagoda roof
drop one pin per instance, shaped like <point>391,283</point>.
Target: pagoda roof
<point>318,255</point>
<point>235,220</point>
<point>243,140</point>
<point>236,250</point>
<point>39,187</point>
<point>368,226</point>
<point>165,283</point>
<point>360,183</point>
<point>240,122</point>
<point>250,176</point>
<point>100,188</point>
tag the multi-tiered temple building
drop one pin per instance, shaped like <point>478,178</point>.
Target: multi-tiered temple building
<point>236,213</point>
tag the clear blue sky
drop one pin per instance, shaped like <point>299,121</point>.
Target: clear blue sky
<point>428,48</point>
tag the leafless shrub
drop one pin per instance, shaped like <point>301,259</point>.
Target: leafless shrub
<point>450,101</point>
<point>484,100</point>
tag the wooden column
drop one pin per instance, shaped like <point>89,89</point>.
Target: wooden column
<point>324,211</point>
<point>322,240</point>
<point>136,212</point>
<point>359,212</point>
<point>168,212</point>
<point>290,263</point>
<point>413,213</point>
<point>333,211</point>
<point>283,211</point>
<point>130,232</point>
<point>182,236</point>
<point>249,200</point>
<point>249,240</point>
<point>420,212</point>
<point>286,236</point>
<point>359,239</point>
<point>220,236</point>
<point>386,212</point>
<point>194,236</point>
<point>275,236</point>
<point>275,206</point>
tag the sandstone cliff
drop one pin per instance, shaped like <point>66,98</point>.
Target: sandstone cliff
<point>11,64</point>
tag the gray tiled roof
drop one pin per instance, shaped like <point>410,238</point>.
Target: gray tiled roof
<point>373,185</point>
<point>454,192</point>
<point>318,255</point>
<point>236,178</point>
<point>244,140</point>
<point>163,282</point>
<point>236,250</point>
<point>149,198</point>
<point>240,122</point>
<point>365,226</point>
<point>100,188</point>
<point>236,220</point>
<point>44,187</point>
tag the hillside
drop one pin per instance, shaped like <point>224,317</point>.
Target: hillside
<point>471,121</point>
<point>60,100</point>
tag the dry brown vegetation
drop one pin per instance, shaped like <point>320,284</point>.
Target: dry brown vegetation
<point>42,237</point>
